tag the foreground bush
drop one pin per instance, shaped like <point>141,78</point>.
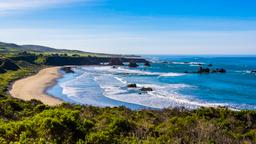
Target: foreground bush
<point>36,123</point>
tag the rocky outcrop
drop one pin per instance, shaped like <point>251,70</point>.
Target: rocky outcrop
<point>221,70</point>
<point>132,86</point>
<point>203,70</point>
<point>210,65</point>
<point>57,60</point>
<point>116,61</point>
<point>146,89</point>
<point>147,64</point>
<point>67,69</point>
<point>133,64</point>
<point>253,71</point>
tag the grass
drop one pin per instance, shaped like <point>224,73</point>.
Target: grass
<point>7,78</point>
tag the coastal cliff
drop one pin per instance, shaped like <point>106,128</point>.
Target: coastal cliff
<point>68,60</point>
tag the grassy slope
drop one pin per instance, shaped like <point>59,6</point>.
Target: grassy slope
<point>14,49</point>
<point>33,122</point>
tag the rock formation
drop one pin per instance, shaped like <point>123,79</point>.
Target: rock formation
<point>132,86</point>
<point>221,70</point>
<point>203,70</point>
<point>116,61</point>
<point>133,64</point>
<point>67,69</point>
<point>145,89</point>
<point>147,64</point>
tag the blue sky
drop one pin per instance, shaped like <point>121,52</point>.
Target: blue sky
<point>133,26</point>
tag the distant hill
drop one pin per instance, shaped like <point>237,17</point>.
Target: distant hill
<point>39,48</point>
<point>10,47</point>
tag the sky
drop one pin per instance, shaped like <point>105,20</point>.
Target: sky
<point>133,26</point>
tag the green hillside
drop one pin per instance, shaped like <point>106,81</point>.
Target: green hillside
<point>14,48</point>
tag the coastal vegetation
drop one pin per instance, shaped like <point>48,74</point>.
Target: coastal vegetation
<point>33,122</point>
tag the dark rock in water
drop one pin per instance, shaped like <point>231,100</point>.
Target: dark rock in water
<point>203,70</point>
<point>210,65</point>
<point>114,67</point>
<point>253,71</point>
<point>116,61</point>
<point>146,89</point>
<point>164,62</point>
<point>214,71</point>
<point>147,64</point>
<point>132,86</point>
<point>221,70</point>
<point>185,71</point>
<point>207,70</point>
<point>133,64</point>
<point>67,69</point>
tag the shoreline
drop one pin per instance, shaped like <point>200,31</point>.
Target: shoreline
<point>35,86</point>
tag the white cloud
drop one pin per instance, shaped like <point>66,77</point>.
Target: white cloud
<point>11,6</point>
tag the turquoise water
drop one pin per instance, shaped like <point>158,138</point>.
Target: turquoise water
<point>106,86</point>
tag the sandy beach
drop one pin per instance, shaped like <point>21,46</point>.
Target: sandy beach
<point>33,87</point>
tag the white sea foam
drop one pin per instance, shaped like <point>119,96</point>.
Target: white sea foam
<point>188,63</point>
<point>171,74</point>
<point>121,80</point>
<point>83,89</point>
<point>121,70</point>
<point>162,96</point>
<point>245,72</point>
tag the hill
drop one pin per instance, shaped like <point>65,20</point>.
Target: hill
<point>14,48</point>
<point>39,48</point>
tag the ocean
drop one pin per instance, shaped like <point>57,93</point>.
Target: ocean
<point>105,86</point>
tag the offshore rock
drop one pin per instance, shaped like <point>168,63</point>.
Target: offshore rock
<point>67,69</point>
<point>133,64</point>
